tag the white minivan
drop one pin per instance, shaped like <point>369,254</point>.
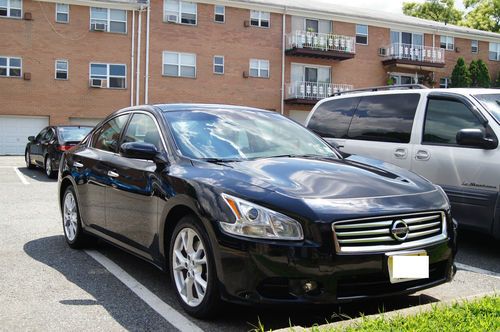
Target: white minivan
<point>449,136</point>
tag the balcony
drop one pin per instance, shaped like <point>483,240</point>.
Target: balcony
<point>320,45</point>
<point>308,93</point>
<point>414,56</point>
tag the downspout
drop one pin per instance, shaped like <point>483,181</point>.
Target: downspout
<point>146,80</point>
<point>139,32</point>
<point>132,59</point>
<point>283,65</point>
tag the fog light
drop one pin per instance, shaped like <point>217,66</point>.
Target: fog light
<point>309,286</point>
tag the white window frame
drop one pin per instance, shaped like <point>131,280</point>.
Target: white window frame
<point>472,42</point>
<point>8,66</point>
<point>109,20</point>
<point>497,51</point>
<point>180,11</point>
<point>223,65</point>
<point>108,76</point>
<point>223,14</point>
<point>447,42</point>
<point>362,34</point>
<point>259,68</point>
<point>257,15</point>
<point>179,64</point>
<point>61,12</point>
<point>56,70</point>
<point>9,7</point>
<point>446,83</point>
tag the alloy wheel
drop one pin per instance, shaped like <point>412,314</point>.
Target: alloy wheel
<point>70,216</point>
<point>48,167</point>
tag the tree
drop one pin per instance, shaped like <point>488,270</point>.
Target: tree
<point>435,10</point>
<point>460,77</point>
<point>483,75</point>
<point>482,15</point>
<point>474,73</point>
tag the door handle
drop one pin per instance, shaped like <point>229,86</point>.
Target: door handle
<point>113,174</point>
<point>422,155</point>
<point>400,153</point>
<point>77,164</point>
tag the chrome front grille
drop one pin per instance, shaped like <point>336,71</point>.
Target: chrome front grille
<point>389,233</point>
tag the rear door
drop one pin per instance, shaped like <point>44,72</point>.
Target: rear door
<point>470,176</point>
<point>36,147</point>
<point>381,128</point>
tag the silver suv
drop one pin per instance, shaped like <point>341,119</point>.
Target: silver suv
<point>449,136</point>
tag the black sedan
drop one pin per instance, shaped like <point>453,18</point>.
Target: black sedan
<point>247,206</point>
<point>45,150</point>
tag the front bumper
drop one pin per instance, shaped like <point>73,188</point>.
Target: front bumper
<point>259,272</point>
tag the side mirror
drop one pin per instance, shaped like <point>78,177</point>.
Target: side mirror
<point>476,138</point>
<point>31,138</point>
<point>138,150</point>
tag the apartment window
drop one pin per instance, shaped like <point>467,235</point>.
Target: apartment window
<point>114,74</point>
<point>260,19</point>
<point>361,34</point>
<point>11,8</point>
<point>109,20</point>
<point>259,68</point>
<point>10,67</point>
<point>474,46</point>
<point>62,13</point>
<point>183,12</point>
<point>448,43</point>
<point>444,82</point>
<point>61,69</point>
<point>494,52</point>
<point>218,64</point>
<point>220,14</point>
<point>312,25</point>
<point>179,64</point>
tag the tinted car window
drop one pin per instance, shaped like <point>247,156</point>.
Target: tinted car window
<point>73,134</point>
<point>142,128</point>
<point>41,135</point>
<point>332,118</point>
<point>386,118</point>
<point>49,135</point>
<point>443,120</point>
<point>108,136</point>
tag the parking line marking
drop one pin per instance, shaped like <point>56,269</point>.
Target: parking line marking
<point>170,314</point>
<point>20,175</point>
<point>477,270</point>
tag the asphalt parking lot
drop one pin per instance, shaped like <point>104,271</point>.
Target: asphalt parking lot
<point>45,285</point>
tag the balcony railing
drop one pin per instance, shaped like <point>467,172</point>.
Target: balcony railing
<point>320,44</point>
<point>313,91</point>
<point>416,53</point>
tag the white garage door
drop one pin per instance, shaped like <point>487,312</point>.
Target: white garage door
<point>14,132</point>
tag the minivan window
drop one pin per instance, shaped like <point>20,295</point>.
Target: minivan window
<point>385,118</point>
<point>332,118</point>
<point>492,104</point>
<point>445,118</point>
<point>108,136</point>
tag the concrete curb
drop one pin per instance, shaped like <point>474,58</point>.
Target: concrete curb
<point>402,312</point>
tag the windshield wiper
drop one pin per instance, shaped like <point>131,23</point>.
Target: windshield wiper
<point>315,156</point>
<point>219,160</point>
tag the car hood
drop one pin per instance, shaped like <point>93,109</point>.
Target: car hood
<point>305,178</point>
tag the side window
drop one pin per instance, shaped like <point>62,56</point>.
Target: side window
<point>40,135</point>
<point>331,119</point>
<point>49,135</point>
<point>107,137</point>
<point>384,118</point>
<point>444,119</point>
<point>142,128</point>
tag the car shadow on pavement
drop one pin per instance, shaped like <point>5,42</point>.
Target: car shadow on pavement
<point>80,269</point>
<point>477,250</point>
<point>36,174</point>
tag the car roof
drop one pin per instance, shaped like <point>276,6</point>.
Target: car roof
<point>212,107</point>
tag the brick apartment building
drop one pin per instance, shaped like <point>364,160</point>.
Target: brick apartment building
<point>77,61</point>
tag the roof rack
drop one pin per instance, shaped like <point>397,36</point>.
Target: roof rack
<point>383,88</point>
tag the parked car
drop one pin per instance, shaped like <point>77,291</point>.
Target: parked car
<point>449,136</point>
<point>247,206</point>
<point>46,148</point>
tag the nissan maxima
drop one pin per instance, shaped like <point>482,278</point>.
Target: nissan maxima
<point>246,206</point>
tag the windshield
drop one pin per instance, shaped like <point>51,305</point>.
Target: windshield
<point>73,134</point>
<point>492,104</point>
<point>226,134</point>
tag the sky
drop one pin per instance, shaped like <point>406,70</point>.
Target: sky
<point>393,6</point>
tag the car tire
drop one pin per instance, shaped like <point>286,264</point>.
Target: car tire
<point>47,166</point>
<point>72,224</point>
<point>188,273</point>
<point>27,159</point>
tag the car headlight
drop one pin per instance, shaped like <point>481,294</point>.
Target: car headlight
<point>256,221</point>
<point>441,190</point>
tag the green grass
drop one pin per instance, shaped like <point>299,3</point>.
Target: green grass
<point>478,315</point>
